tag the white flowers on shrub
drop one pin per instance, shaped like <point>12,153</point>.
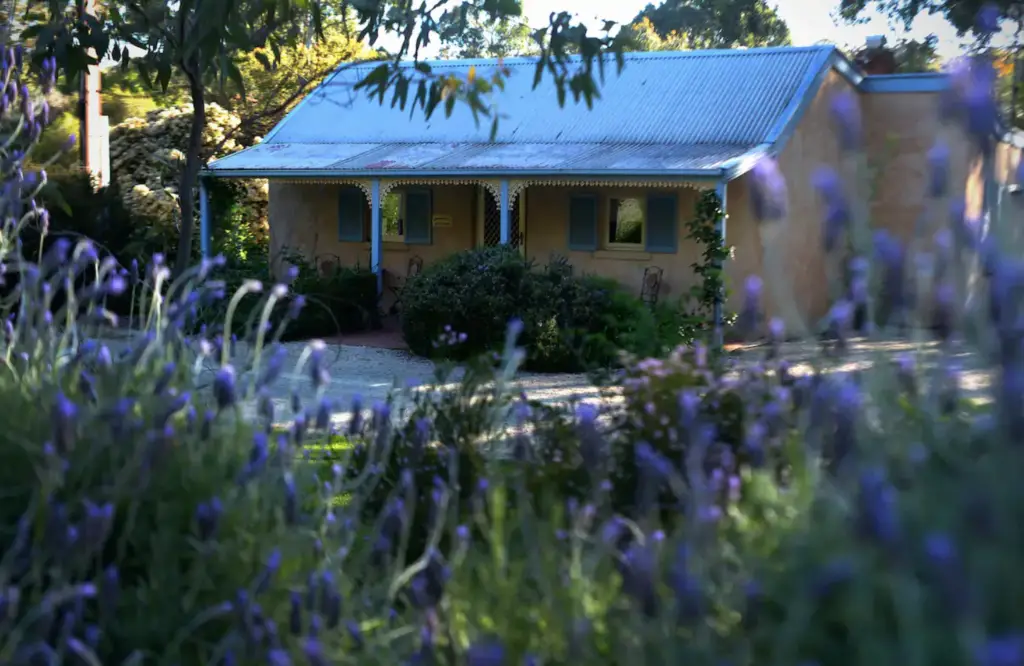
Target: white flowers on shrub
<point>148,154</point>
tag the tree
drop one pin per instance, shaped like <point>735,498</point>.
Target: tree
<point>914,55</point>
<point>962,14</point>
<point>203,41</point>
<point>703,24</point>
<point>478,36</point>
<point>269,93</point>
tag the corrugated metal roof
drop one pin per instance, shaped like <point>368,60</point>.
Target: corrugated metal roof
<point>671,111</point>
<point>383,158</point>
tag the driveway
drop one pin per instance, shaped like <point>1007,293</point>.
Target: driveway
<point>370,373</point>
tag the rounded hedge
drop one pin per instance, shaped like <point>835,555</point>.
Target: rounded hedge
<point>462,305</point>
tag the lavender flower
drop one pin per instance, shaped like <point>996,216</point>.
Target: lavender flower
<point>65,414</point>
<point>768,194</point>
<point>837,209</point>
<point>845,110</point>
<point>489,652</point>
<point>878,514</point>
<point>224,387</point>
<point>938,170</point>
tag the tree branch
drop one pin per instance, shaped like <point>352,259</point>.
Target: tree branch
<point>252,119</point>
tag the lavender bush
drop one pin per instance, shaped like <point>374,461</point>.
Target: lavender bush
<point>151,511</point>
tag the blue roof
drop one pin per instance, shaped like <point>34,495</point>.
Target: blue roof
<point>685,114</point>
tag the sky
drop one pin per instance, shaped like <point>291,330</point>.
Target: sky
<point>809,21</point>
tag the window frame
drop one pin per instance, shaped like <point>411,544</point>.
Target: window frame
<point>607,226</point>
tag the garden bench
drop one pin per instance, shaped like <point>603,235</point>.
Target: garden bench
<point>651,285</point>
<point>396,283</point>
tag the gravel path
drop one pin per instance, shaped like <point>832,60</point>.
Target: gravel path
<point>370,373</point>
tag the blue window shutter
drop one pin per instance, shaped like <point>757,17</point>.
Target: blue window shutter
<point>418,218</point>
<point>350,215</point>
<point>583,222</point>
<point>662,234</point>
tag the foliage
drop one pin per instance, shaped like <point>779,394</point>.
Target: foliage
<point>320,305</point>
<point>697,310</point>
<point>917,55</point>
<point>967,16</point>
<point>267,94</point>
<point>569,322</point>
<point>146,159</point>
<point>473,34</point>
<point>126,95</point>
<point>709,24</point>
<point>203,42</point>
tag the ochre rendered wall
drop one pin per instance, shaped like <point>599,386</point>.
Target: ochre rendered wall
<point>797,242</point>
<point>547,234</point>
<point>303,218</point>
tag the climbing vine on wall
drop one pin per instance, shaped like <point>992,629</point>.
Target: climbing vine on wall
<point>702,228</point>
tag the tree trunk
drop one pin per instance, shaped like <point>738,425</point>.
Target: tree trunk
<point>193,162</point>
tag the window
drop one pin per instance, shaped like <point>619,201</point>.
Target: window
<point>625,222</point>
<point>392,213</point>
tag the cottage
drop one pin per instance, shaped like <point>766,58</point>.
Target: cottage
<point>609,188</point>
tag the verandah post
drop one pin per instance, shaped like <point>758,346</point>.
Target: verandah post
<point>506,226</point>
<point>204,219</point>
<point>720,191</point>
<point>376,234</point>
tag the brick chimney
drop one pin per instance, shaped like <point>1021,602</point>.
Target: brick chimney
<point>875,57</point>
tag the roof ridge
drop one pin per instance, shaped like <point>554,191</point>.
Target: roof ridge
<point>520,61</point>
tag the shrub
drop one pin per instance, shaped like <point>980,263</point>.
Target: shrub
<point>146,159</point>
<point>570,323</point>
<point>342,301</point>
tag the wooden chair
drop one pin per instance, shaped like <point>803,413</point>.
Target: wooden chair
<point>328,263</point>
<point>396,283</point>
<point>651,285</point>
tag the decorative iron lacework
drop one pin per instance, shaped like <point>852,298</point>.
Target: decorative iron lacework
<point>492,222</point>
<point>515,187</point>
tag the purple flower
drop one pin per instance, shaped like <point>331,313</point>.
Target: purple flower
<point>291,502</point>
<point>689,593</point>
<point>269,571</point>
<point>295,307</point>
<point>845,110</point>
<point>65,415</point>
<point>314,652</point>
<point>515,328</point>
<point>208,516</point>
<point>224,387</point>
<point>295,613</point>
<point>639,571</point>
<point>1001,651</point>
<point>768,195</point>
<point>946,573</point>
<point>488,652</point>
<point>592,445</point>
<point>878,514</point>
<point>987,21</point>
<point>99,520</point>
<point>837,210</point>
<point>938,170</point>
<point>751,313</point>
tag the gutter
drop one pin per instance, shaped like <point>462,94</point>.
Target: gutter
<point>687,174</point>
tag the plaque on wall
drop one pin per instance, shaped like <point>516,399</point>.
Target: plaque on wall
<point>442,220</point>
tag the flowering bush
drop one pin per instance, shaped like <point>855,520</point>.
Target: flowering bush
<point>146,159</point>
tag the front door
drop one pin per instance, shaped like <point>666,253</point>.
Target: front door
<point>489,220</point>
